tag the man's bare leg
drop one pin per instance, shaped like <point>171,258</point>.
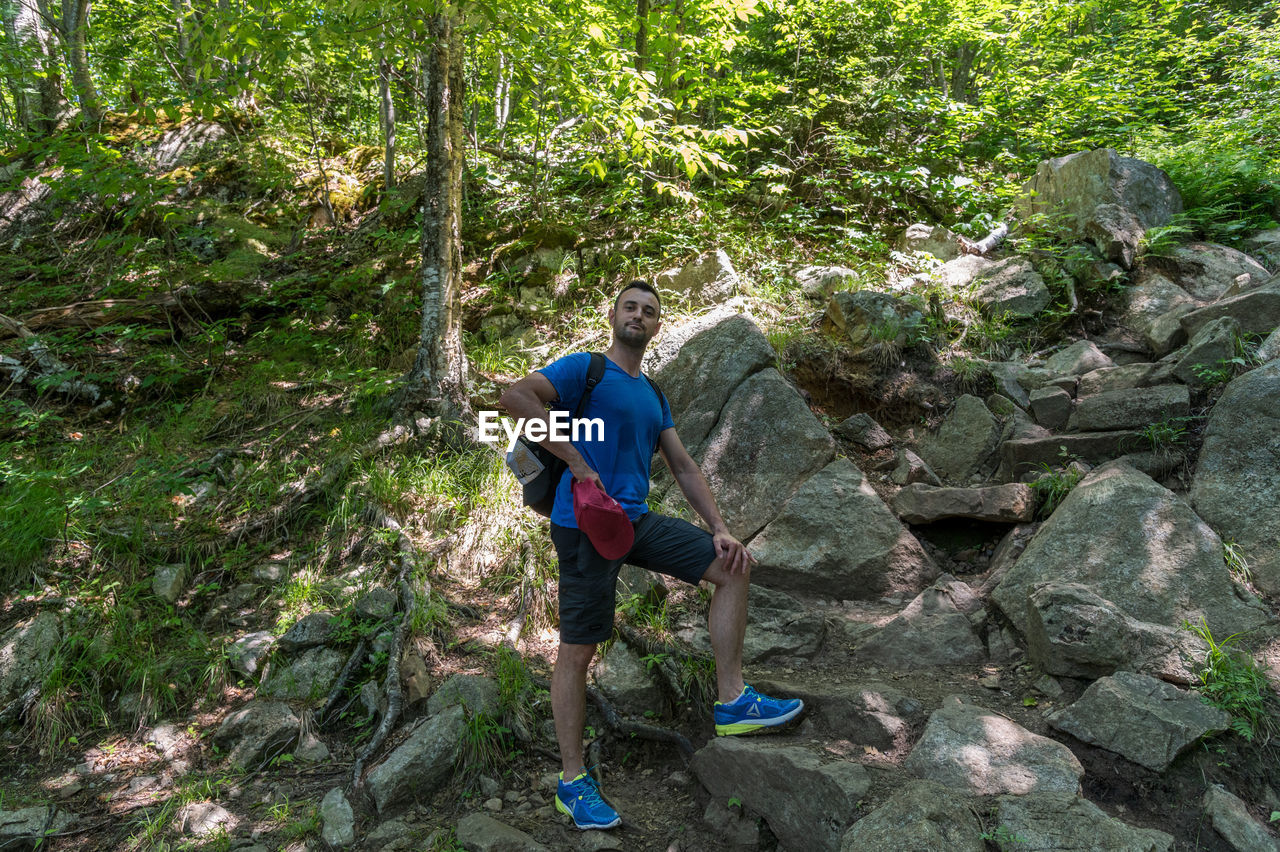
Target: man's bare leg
<point>727,623</point>
<point>569,703</point>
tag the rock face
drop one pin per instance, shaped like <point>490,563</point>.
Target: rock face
<point>924,504</point>
<point>708,279</point>
<point>765,445</point>
<point>258,733</point>
<point>1130,540</point>
<point>964,443</point>
<point>421,763</point>
<point>1143,719</point>
<point>625,680</point>
<point>1207,271</point>
<point>1236,487</point>
<point>306,678</point>
<point>699,373</point>
<point>920,815</point>
<point>25,653</point>
<point>1257,310</point>
<point>1131,409</point>
<point>808,804</point>
<point>933,630</point>
<point>1071,632</point>
<point>1155,306</point>
<point>864,317</point>
<point>1012,287</point>
<point>977,751</point>
<point>807,548</point>
<point>1050,822</point>
<point>1108,199</point>
<point>1231,819</point>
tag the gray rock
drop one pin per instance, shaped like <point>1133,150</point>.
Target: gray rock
<point>26,652</point>
<point>924,504</point>
<point>1257,311</point>
<point>310,631</point>
<point>977,751</point>
<point>1114,378</point>
<point>1007,376</point>
<point>634,580</point>
<point>1208,270</point>
<point>478,694</point>
<point>930,239</point>
<point>311,749</point>
<point>258,733</point>
<point>1051,406</point>
<point>1269,349</point>
<point>169,581</point>
<point>1165,569</point>
<point>1072,632</point>
<point>483,833</point>
<point>625,680</point>
<point>700,364</point>
<point>1052,822</point>
<point>933,630</point>
<point>376,605</point>
<point>732,825</point>
<point>1134,196</point>
<point>865,432</point>
<point>247,653</point>
<point>819,282</point>
<point>1154,307</point>
<point>1140,718</point>
<point>1131,409</point>
<point>708,279</point>
<point>868,713</point>
<point>766,444</point>
<point>960,273</point>
<point>1231,818</point>
<point>306,678</point>
<point>1012,287</point>
<point>422,763</point>
<point>864,317</point>
<point>1212,346</point>
<point>919,816</point>
<point>338,819</point>
<point>1019,456</point>
<point>271,572</point>
<point>1079,358</point>
<point>910,468</point>
<point>200,819</point>
<point>1236,486</point>
<point>778,625</point>
<point>25,828</point>
<point>807,803</point>
<point>807,548</point>
<point>1265,246</point>
<point>964,443</point>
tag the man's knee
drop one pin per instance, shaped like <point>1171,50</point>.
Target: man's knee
<point>722,579</point>
<point>575,657</point>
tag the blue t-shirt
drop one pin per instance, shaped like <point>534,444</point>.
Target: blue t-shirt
<point>633,418</point>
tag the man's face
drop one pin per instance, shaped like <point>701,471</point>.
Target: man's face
<point>634,318</point>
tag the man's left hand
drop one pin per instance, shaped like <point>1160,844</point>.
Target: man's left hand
<point>735,555</point>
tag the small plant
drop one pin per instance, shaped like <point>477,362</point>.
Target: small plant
<point>1002,834</point>
<point>1161,438</point>
<point>485,745</point>
<point>1233,556</point>
<point>1231,681</point>
<point>969,372</point>
<point>1054,484</point>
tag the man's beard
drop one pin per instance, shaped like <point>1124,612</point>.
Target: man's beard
<point>631,336</point>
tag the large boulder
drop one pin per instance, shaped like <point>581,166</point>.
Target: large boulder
<point>819,282</point>
<point>707,279</point>
<point>1072,632</point>
<point>1012,287</point>
<point>1265,246</point>
<point>1138,717</point>
<point>1078,358</point>
<point>625,680</point>
<point>1130,409</point>
<point>1051,822</point>
<point>920,815</point>
<point>960,273</point>
<point>1155,306</point>
<point>1231,818</point>
<point>964,444</point>
<point>1257,311</point>
<point>258,733</point>
<point>482,833</point>
<point>1007,504</point>
<point>933,630</point>
<point>477,694</point>
<point>808,547</point>
<point>1020,456</point>
<point>308,677</point>
<point>808,804</point>
<point>1207,270</point>
<point>864,317</point>
<point>1236,487</point>
<point>422,763</point>
<point>931,239</point>
<point>26,652</point>
<point>778,625</point>
<point>1101,196</point>
<point>1138,544</point>
<point>1212,347</point>
<point>698,367</point>
<point>974,750</point>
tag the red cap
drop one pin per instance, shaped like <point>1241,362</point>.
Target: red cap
<point>603,520</point>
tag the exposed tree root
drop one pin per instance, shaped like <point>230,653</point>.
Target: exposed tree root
<point>627,727</point>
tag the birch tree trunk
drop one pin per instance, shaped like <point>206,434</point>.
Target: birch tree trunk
<point>75,34</point>
<point>437,382</point>
<point>31,27</point>
<point>387,112</point>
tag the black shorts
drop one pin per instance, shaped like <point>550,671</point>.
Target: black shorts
<point>589,582</point>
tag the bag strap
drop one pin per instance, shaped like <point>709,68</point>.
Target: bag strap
<point>595,372</point>
<point>662,403</point>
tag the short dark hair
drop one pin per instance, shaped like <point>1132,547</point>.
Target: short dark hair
<point>639,284</point>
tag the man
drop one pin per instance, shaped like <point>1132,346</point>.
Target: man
<point>636,419</point>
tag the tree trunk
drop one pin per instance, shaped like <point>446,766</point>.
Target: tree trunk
<point>75,34</point>
<point>642,34</point>
<point>17,85</point>
<point>387,112</point>
<point>182,17</point>
<point>30,24</point>
<point>437,382</point>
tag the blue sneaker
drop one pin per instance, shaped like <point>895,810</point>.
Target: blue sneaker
<point>581,799</point>
<point>752,712</point>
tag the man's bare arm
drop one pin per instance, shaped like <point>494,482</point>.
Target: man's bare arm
<point>528,398</point>
<point>696,490</point>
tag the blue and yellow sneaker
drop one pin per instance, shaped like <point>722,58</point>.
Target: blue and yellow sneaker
<point>752,712</point>
<point>581,800</point>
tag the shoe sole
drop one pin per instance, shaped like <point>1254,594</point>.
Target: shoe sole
<point>737,729</point>
<point>564,809</point>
